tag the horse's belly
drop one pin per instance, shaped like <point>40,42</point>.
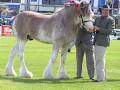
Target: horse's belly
<point>44,37</point>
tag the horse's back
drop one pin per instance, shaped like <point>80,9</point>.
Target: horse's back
<point>27,23</point>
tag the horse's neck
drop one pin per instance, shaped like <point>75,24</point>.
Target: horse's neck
<point>67,15</point>
<point>69,19</point>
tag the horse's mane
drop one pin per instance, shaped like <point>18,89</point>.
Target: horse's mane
<point>59,12</point>
<point>66,13</point>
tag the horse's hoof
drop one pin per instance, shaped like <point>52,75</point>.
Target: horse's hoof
<point>9,72</point>
<point>47,74</point>
<point>48,77</point>
<point>26,74</point>
<point>64,77</point>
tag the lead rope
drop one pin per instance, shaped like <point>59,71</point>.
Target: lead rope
<point>82,20</point>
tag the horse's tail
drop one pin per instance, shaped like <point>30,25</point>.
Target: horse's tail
<point>13,25</point>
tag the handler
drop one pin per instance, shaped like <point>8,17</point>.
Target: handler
<point>84,45</point>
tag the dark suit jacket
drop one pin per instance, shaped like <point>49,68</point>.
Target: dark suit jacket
<point>84,37</point>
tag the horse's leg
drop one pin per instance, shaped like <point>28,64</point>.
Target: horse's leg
<point>48,69</point>
<point>24,72</point>
<point>9,71</point>
<point>62,74</point>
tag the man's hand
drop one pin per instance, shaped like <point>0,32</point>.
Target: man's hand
<point>91,30</point>
<point>96,28</point>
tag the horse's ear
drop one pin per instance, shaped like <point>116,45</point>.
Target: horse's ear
<point>81,4</point>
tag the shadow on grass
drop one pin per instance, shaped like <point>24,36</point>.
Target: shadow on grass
<point>113,80</point>
<point>53,81</point>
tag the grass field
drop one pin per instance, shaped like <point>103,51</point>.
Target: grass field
<point>37,56</point>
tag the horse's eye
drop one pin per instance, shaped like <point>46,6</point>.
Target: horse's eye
<point>81,4</point>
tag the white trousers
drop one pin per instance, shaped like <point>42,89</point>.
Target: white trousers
<point>100,54</point>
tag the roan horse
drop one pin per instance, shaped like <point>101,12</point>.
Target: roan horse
<point>58,29</point>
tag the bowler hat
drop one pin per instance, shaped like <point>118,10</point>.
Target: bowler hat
<point>105,6</point>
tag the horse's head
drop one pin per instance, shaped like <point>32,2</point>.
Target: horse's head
<point>86,14</point>
<point>82,9</point>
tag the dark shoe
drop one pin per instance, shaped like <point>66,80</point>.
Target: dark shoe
<point>92,79</point>
<point>69,50</point>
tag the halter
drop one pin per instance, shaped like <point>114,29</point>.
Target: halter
<point>83,22</point>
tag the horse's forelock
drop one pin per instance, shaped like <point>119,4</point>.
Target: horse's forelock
<point>71,2</point>
<point>85,1</point>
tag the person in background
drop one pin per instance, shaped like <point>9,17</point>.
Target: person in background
<point>104,25</point>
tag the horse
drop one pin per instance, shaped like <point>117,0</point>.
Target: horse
<point>58,29</point>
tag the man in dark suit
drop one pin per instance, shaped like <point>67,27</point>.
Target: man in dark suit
<point>84,45</point>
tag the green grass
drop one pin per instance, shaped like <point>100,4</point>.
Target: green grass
<point>37,56</point>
